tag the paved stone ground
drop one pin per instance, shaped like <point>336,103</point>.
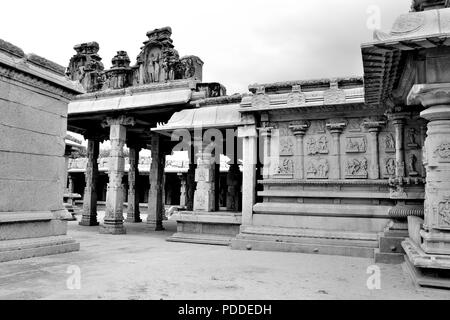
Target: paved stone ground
<point>142,265</point>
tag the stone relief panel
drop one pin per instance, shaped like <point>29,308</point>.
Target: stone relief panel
<point>317,145</point>
<point>286,146</point>
<point>444,212</point>
<point>285,169</point>
<point>356,144</point>
<point>356,168</point>
<point>389,167</point>
<point>317,168</point>
<point>389,143</point>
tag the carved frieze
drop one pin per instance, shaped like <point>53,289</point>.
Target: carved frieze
<point>317,145</point>
<point>334,95</point>
<point>296,97</point>
<point>260,99</point>
<point>444,211</point>
<point>442,152</point>
<point>357,144</point>
<point>356,168</point>
<point>317,168</point>
<point>318,126</point>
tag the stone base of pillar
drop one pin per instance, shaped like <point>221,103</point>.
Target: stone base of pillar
<point>435,242</point>
<point>156,226</point>
<point>426,270</point>
<point>112,228</point>
<point>88,221</point>
<point>133,219</point>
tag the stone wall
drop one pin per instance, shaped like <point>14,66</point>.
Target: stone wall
<point>34,94</point>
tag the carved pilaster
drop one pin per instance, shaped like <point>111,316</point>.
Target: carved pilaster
<point>266,135</point>
<point>374,127</point>
<point>113,222</point>
<point>336,129</point>
<point>183,183</point>
<point>299,129</point>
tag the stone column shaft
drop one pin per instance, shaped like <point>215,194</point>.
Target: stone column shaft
<point>182,190</point>
<point>133,212</point>
<point>89,217</point>
<point>266,135</point>
<point>250,157</point>
<point>335,152</point>
<point>299,131</point>
<point>113,222</point>
<point>374,129</point>
<point>205,195</point>
<point>399,125</point>
<point>155,199</point>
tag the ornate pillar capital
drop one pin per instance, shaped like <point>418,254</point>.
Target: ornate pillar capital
<point>121,120</point>
<point>374,125</point>
<point>336,127</point>
<point>300,127</point>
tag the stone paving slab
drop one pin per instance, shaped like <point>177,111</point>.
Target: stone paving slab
<point>143,265</point>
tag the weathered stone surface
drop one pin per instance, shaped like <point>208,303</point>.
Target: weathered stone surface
<point>33,105</point>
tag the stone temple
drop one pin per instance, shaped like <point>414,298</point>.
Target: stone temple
<point>353,166</point>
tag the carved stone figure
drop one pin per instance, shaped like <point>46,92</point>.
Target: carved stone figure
<point>357,168</point>
<point>389,143</point>
<point>390,166</point>
<point>412,161</point>
<point>412,133</point>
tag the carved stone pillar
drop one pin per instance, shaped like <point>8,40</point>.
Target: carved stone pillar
<point>335,152</point>
<point>113,222</point>
<point>71,185</point>
<point>374,128</point>
<point>155,198</point>
<point>299,130</point>
<point>89,217</point>
<point>234,187</point>
<point>182,190</point>
<point>204,196</point>
<point>266,135</point>
<point>133,213</point>
<point>250,156</point>
<point>436,227</point>
<point>398,120</point>
<point>190,187</point>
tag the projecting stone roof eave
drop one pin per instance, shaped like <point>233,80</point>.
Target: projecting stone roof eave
<point>412,31</point>
<point>25,67</point>
<point>130,101</point>
<point>216,116</point>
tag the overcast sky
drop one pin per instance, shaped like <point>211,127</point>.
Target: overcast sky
<point>241,41</point>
